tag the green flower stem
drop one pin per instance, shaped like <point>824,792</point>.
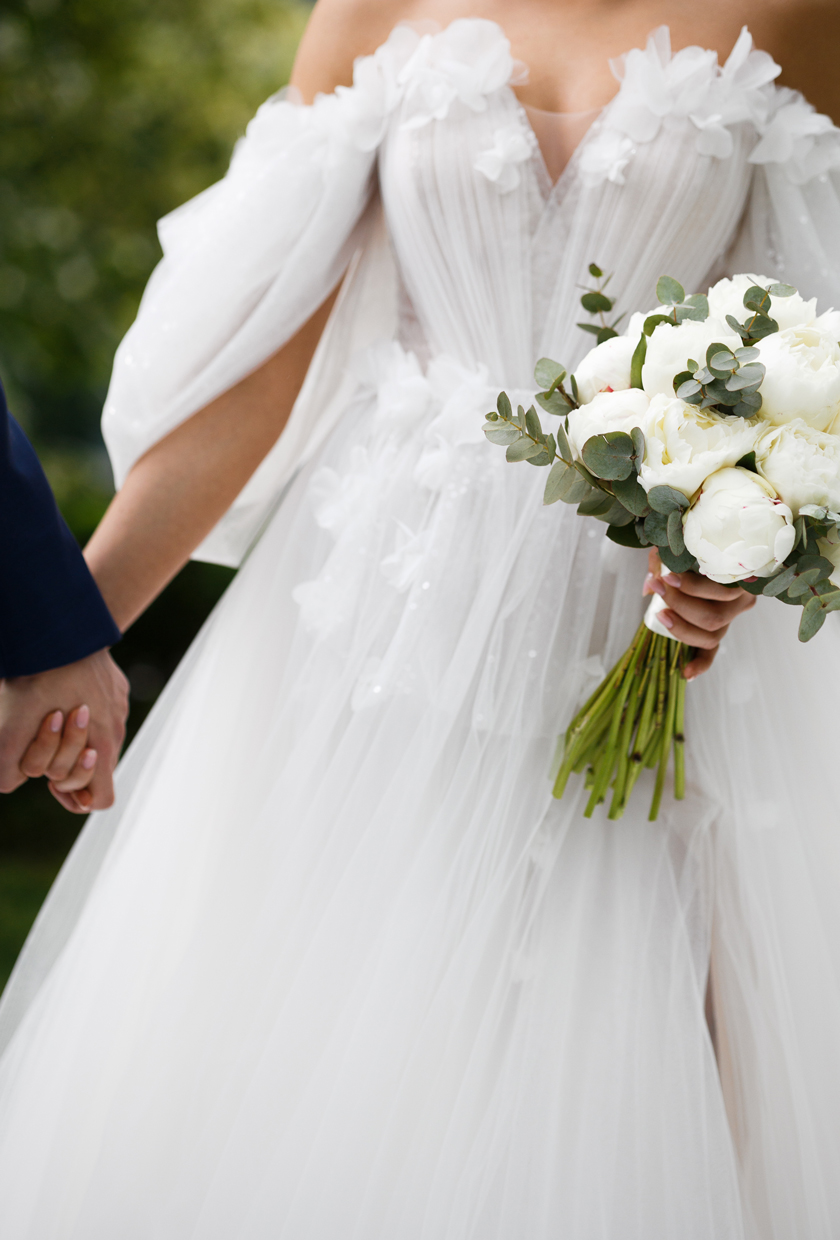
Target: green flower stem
<point>630,722</point>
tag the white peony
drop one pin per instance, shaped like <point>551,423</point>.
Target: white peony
<point>801,464</point>
<point>727,297</point>
<point>738,528</point>
<point>803,377</point>
<point>830,548</point>
<point>684,444</point>
<point>669,348</point>
<point>608,411</point>
<point>606,366</point>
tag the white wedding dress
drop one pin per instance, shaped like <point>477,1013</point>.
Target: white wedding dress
<point>337,966</point>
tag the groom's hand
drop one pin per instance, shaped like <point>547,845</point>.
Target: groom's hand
<point>78,753</point>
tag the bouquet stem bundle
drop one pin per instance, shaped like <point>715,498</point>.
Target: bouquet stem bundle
<point>631,722</point>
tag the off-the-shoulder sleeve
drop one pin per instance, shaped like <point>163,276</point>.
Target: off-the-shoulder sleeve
<point>791,229</point>
<point>248,261</point>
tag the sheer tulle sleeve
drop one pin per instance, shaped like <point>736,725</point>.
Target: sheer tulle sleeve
<point>791,229</point>
<point>245,264</point>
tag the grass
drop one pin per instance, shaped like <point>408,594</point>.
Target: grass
<point>24,885</point>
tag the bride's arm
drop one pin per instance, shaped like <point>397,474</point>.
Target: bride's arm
<point>176,493</point>
<point>179,489</point>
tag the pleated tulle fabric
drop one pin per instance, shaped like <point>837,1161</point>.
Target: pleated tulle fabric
<point>337,966</point>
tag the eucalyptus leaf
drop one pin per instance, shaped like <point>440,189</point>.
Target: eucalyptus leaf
<point>565,483</point>
<point>724,360</point>
<point>624,535</point>
<point>699,303</point>
<point>597,506</point>
<point>653,320</point>
<point>542,458</point>
<point>831,602</point>
<point>548,373</point>
<point>563,448</point>
<point>617,515</point>
<point>596,303</point>
<point>757,299</point>
<point>688,387</point>
<point>638,361</point>
<point>504,406</point>
<point>656,529</point>
<point>813,618</point>
<point>749,354</point>
<point>595,270</point>
<point>606,333</point>
<point>554,403</point>
<point>666,500</point>
<point>818,564</point>
<point>669,291</point>
<point>522,449</point>
<point>762,326</point>
<point>632,495</point>
<point>638,437</point>
<point>684,563</point>
<point>675,532</point>
<point>798,587</point>
<point>747,377</point>
<point>589,327</point>
<point>781,290</point>
<point>532,423</point>
<point>503,433</point>
<point>609,456</point>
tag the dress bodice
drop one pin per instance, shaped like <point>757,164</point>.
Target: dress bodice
<point>492,255</point>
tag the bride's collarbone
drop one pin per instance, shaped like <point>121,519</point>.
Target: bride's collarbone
<point>567,44</point>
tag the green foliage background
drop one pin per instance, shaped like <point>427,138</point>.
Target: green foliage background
<point>112,113</point>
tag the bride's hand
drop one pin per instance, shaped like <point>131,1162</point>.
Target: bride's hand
<point>699,611</point>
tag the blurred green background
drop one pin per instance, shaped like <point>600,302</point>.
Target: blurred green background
<point>112,112</point>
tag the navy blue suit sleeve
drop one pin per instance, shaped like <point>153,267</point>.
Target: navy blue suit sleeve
<point>51,612</point>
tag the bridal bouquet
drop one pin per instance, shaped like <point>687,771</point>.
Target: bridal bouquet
<point>709,429</point>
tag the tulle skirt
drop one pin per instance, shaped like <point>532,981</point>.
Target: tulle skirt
<point>337,967</point>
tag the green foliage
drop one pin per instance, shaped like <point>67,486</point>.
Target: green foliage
<point>596,303</point>
<point>727,384</point>
<point>759,324</point>
<point>113,113</point>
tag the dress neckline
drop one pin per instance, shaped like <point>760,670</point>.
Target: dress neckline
<point>558,135</point>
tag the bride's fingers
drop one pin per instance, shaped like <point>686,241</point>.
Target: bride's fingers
<point>702,587</point>
<point>701,662</point>
<point>707,614</point>
<point>81,774</point>
<point>43,749</point>
<point>73,741</point>
<point>683,631</point>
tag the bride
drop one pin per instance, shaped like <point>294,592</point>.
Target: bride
<point>337,966</point>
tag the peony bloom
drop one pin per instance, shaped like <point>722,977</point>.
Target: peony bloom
<point>801,464</point>
<point>738,528</point>
<point>803,377</point>
<point>606,366</point>
<point>727,297</point>
<point>669,348</point>
<point>607,411</point>
<point>684,444</point>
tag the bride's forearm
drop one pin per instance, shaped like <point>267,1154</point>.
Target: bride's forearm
<point>182,486</point>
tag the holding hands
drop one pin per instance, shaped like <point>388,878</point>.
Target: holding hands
<point>67,724</point>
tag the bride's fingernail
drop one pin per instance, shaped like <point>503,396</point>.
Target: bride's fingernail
<point>657,586</point>
<point>672,579</point>
<point>56,721</point>
<point>646,587</point>
<point>89,759</point>
<point>666,618</point>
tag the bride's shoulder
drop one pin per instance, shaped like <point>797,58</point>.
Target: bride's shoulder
<point>338,32</point>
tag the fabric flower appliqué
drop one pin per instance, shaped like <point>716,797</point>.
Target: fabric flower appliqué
<point>798,137</point>
<point>512,145</point>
